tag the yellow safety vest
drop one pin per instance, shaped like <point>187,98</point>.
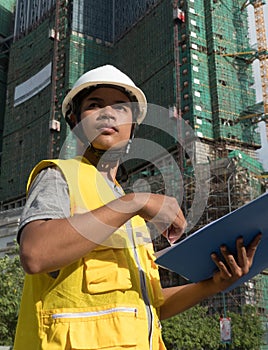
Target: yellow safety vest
<point>97,301</point>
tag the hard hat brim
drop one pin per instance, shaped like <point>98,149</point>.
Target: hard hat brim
<point>141,99</point>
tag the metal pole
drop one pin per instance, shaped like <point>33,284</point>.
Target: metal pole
<point>224,304</point>
<point>224,313</point>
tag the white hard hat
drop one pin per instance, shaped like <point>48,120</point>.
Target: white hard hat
<point>106,75</point>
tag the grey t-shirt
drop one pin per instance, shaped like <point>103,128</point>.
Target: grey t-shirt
<point>48,198</point>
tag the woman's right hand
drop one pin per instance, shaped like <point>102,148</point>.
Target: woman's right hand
<point>164,212</point>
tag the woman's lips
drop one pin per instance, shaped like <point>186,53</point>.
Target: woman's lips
<point>107,129</point>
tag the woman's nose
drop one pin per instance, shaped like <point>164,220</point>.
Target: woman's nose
<point>107,112</point>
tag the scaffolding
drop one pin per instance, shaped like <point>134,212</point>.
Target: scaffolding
<point>214,88</point>
<point>59,35</point>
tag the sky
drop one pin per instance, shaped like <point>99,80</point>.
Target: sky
<point>263,152</point>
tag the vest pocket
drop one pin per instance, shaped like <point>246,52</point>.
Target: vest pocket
<point>94,329</point>
<point>106,270</point>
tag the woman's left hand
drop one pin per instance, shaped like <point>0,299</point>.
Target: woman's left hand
<point>234,268</point>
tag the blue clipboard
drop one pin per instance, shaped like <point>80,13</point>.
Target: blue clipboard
<point>191,259</point>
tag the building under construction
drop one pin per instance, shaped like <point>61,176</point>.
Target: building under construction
<point>186,59</point>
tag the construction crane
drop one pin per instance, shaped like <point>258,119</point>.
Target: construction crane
<point>262,48</point>
<point>261,53</point>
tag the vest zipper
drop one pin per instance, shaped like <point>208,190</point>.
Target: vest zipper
<point>94,313</point>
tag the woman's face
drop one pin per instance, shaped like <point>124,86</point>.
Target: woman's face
<point>106,116</point>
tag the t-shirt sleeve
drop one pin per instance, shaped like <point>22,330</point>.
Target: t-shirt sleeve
<point>48,198</point>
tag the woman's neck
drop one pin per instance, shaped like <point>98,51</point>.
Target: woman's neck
<point>107,167</point>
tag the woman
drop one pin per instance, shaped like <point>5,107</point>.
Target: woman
<point>91,280</point>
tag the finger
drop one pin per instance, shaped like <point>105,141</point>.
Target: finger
<point>252,247</point>
<point>177,228</point>
<point>231,263</point>
<point>180,222</point>
<point>225,273</point>
<point>242,257</point>
<point>174,234</point>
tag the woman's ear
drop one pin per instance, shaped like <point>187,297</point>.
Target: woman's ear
<point>71,120</point>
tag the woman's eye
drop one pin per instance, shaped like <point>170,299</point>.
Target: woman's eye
<point>121,107</point>
<point>93,105</point>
